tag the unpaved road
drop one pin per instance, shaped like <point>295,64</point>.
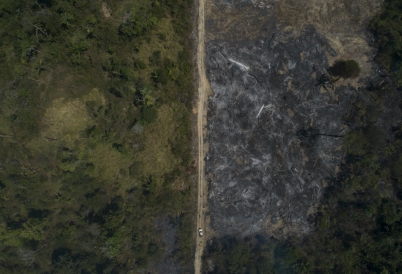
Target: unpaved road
<point>201,112</point>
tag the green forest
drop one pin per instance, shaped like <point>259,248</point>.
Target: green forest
<point>95,134</point>
<point>359,224</point>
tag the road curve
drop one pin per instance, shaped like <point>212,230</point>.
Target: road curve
<point>202,85</point>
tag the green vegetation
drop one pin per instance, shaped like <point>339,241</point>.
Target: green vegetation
<point>359,224</point>
<point>345,69</point>
<point>387,27</point>
<point>254,255</point>
<point>94,133</point>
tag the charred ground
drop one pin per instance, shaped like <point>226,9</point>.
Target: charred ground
<point>309,162</point>
<point>274,133</point>
<point>274,127</point>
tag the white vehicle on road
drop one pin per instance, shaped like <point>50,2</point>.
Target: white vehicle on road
<point>200,231</point>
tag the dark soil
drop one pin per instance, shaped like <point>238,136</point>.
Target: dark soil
<point>274,133</point>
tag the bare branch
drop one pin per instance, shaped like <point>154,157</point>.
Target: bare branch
<point>40,29</point>
<point>44,11</point>
<point>34,80</point>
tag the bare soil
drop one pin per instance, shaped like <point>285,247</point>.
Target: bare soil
<point>105,10</point>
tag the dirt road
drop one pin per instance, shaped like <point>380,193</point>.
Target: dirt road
<point>201,112</point>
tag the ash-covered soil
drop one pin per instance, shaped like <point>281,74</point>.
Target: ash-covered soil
<point>274,134</point>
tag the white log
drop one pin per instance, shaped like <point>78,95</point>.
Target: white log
<point>258,115</point>
<point>242,67</point>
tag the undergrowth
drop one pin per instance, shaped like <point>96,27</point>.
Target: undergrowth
<point>94,134</point>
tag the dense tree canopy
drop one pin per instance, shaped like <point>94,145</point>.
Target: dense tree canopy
<point>94,134</point>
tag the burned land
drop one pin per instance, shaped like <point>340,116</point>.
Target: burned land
<point>274,132</point>
<point>304,136</point>
<point>275,128</point>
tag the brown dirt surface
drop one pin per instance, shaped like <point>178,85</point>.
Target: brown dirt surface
<point>105,10</point>
<point>201,121</point>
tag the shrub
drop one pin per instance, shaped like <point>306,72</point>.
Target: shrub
<point>149,115</point>
<point>387,29</point>
<point>345,69</point>
<point>138,23</point>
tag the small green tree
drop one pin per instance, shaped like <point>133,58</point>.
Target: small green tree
<point>138,23</point>
<point>145,96</point>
